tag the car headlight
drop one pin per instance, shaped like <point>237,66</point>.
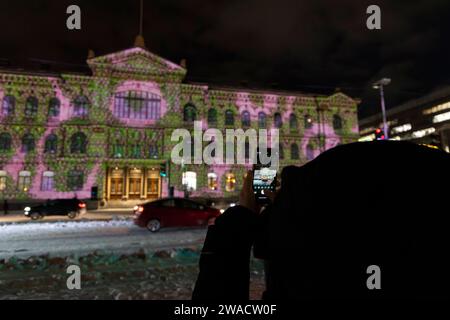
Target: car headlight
<point>222,210</point>
<point>27,209</point>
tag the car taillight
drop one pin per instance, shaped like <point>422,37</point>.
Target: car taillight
<point>82,205</point>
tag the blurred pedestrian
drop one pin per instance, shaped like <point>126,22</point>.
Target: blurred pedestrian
<point>5,207</point>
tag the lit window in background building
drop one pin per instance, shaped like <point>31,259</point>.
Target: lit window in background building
<point>137,105</point>
<point>230,182</point>
<point>441,117</point>
<point>403,128</point>
<point>189,180</point>
<point>438,108</point>
<point>212,181</point>
<point>369,137</point>
<point>423,133</point>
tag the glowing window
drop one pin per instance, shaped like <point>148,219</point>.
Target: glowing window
<point>24,180</point>
<point>47,181</point>
<point>137,105</point>
<point>80,106</point>
<point>230,182</point>
<point>189,180</point>
<point>212,181</point>
<point>8,106</point>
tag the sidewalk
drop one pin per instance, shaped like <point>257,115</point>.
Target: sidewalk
<point>99,215</point>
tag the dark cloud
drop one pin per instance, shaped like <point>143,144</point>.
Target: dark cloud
<point>313,45</point>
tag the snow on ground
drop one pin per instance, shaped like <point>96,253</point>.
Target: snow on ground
<point>60,238</point>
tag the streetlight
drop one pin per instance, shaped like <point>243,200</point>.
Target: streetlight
<point>379,85</point>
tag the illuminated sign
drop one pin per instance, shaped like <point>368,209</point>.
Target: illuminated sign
<point>441,117</point>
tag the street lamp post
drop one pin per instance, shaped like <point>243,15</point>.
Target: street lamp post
<point>379,85</point>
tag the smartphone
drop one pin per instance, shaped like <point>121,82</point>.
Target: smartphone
<point>264,179</point>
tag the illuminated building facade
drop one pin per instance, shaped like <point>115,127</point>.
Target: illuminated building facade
<point>108,132</point>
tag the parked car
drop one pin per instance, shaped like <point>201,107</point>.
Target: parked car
<point>173,212</point>
<point>61,207</point>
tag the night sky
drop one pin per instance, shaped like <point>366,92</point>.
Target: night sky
<point>311,46</point>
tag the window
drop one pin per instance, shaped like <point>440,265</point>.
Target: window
<point>229,118</point>
<point>80,106</point>
<point>277,120</point>
<point>212,116</point>
<point>75,180</point>
<point>53,107</point>
<point>5,142</point>
<point>24,180</point>
<point>136,151</point>
<point>308,122</point>
<point>262,120</point>
<point>294,151</point>
<point>230,182</point>
<point>212,181</point>
<point>8,106</point>
<point>51,144</point>
<point>309,152</point>
<point>28,143</point>
<point>281,151</point>
<point>78,143</point>
<point>189,180</point>
<point>47,181</point>
<point>118,150</point>
<point>153,151</point>
<point>31,107</point>
<point>2,180</point>
<point>245,119</point>
<point>337,122</point>
<point>293,122</point>
<point>189,113</point>
<point>137,105</point>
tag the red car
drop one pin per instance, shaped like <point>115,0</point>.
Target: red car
<point>173,212</point>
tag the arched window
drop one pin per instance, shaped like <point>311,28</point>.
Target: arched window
<point>5,142</point>
<point>294,152</point>
<point>47,183</point>
<point>212,116</point>
<point>137,105</point>
<point>245,119</point>
<point>308,122</point>
<point>293,122</point>
<point>28,143</point>
<point>189,113</point>
<point>229,118</point>
<point>309,152</point>
<point>230,182</point>
<point>8,105</point>
<point>75,180</point>
<point>51,144</point>
<point>24,181</point>
<point>153,151</point>
<point>80,106</point>
<point>53,107</point>
<point>78,143</point>
<point>277,120</point>
<point>31,107</point>
<point>262,120</point>
<point>337,122</point>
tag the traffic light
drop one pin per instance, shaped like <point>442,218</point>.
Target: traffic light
<point>379,134</point>
<point>163,169</point>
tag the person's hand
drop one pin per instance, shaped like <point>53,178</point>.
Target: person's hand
<point>247,197</point>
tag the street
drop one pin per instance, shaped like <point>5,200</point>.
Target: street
<point>77,237</point>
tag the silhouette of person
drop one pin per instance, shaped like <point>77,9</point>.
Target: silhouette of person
<point>5,207</point>
<point>354,206</point>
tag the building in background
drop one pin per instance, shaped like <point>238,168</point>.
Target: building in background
<point>425,120</point>
<point>106,134</point>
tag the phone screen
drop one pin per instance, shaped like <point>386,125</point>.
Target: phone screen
<point>264,178</point>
